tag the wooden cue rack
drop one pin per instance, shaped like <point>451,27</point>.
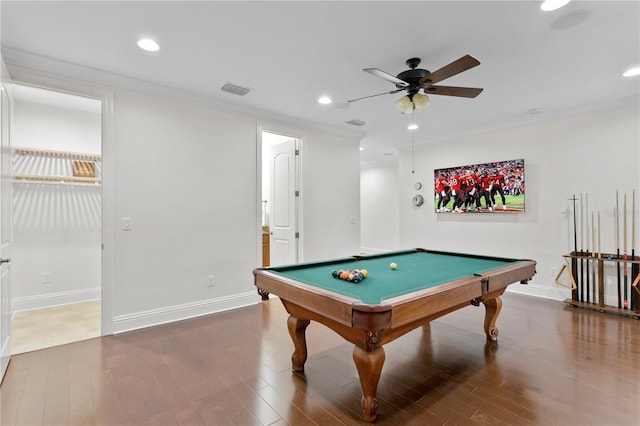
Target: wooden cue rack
<point>633,274</point>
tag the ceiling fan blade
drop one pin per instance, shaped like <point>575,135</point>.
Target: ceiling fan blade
<point>379,94</point>
<point>463,92</point>
<point>384,75</point>
<point>456,67</point>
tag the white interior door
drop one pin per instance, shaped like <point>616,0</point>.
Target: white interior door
<point>5,234</point>
<point>283,222</point>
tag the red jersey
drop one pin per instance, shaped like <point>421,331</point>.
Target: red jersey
<point>470,182</point>
<point>498,181</point>
<point>441,184</point>
<point>455,182</point>
<point>486,182</point>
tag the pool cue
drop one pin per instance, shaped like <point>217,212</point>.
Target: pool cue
<point>617,218</point>
<point>586,215</point>
<point>599,238</point>
<point>582,250</point>
<point>574,261</point>
<point>588,296</point>
<point>624,265</point>
<point>634,266</point>
<point>593,249</point>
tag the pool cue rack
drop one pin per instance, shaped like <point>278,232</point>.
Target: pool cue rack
<point>598,303</point>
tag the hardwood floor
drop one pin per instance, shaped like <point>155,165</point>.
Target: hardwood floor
<point>553,365</point>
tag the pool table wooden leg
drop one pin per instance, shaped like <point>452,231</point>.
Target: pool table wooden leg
<point>369,366</point>
<point>492,310</point>
<point>297,328</point>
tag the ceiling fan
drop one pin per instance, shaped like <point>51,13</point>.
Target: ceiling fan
<point>415,79</point>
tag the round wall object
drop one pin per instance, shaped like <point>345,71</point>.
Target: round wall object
<point>417,185</point>
<point>418,200</point>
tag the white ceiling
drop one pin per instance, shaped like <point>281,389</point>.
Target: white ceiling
<point>534,65</point>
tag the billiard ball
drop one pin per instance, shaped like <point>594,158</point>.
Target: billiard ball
<point>364,273</point>
<point>393,265</point>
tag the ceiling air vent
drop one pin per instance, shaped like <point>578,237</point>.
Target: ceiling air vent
<point>357,123</point>
<point>235,89</point>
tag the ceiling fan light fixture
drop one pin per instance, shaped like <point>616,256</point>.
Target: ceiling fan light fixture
<point>404,104</point>
<point>420,101</point>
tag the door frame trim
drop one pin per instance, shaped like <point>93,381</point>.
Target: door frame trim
<point>35,78</point>
<point>300,145</point>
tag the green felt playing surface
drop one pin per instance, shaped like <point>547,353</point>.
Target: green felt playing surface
<point>416,271</point>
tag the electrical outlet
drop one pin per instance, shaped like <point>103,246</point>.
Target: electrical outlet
<point>210,281</point>
<point>46,277</point>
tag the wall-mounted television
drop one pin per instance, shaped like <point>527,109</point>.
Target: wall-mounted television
<point>496,187</point>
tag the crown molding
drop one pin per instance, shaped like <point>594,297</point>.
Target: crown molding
<point>70,70</point>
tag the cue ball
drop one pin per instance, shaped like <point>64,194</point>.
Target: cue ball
<point>393,265</point>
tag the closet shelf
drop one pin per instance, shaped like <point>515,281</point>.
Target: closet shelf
<point>17,177</point>
<point>57,154</point>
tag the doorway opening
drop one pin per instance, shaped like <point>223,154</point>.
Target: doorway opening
<point>56,147</point>
<point>280,199</point>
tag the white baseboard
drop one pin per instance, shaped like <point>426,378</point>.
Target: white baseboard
<point>373,250</point>
<point>545,291</point>
<point>129,322</point>
<point>55,299</point>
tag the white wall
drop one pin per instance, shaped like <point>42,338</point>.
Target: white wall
<point>596,153</point>
<point>55,128</point>
<point>330,196</point>
<point>379,200</point>
<point>329,193</point>
<point>187,176</point>
<point>56,227</point>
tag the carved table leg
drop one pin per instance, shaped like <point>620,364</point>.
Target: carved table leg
<point>369,366</point>
<point>263,294</point>
<point>492,310</point>
<point>297,328</point>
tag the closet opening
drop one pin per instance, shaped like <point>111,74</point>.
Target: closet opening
<point>56,147</point>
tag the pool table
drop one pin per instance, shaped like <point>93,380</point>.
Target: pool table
<point>388,303</point>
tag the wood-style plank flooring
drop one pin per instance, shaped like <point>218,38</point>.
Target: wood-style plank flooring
<point>553,365</point>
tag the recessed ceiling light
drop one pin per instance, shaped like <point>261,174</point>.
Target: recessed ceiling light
<point>324,100</point>
<point>632,72</point>
<point>549,5</point>
<point>148,45</point>
<point>412,126</point>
